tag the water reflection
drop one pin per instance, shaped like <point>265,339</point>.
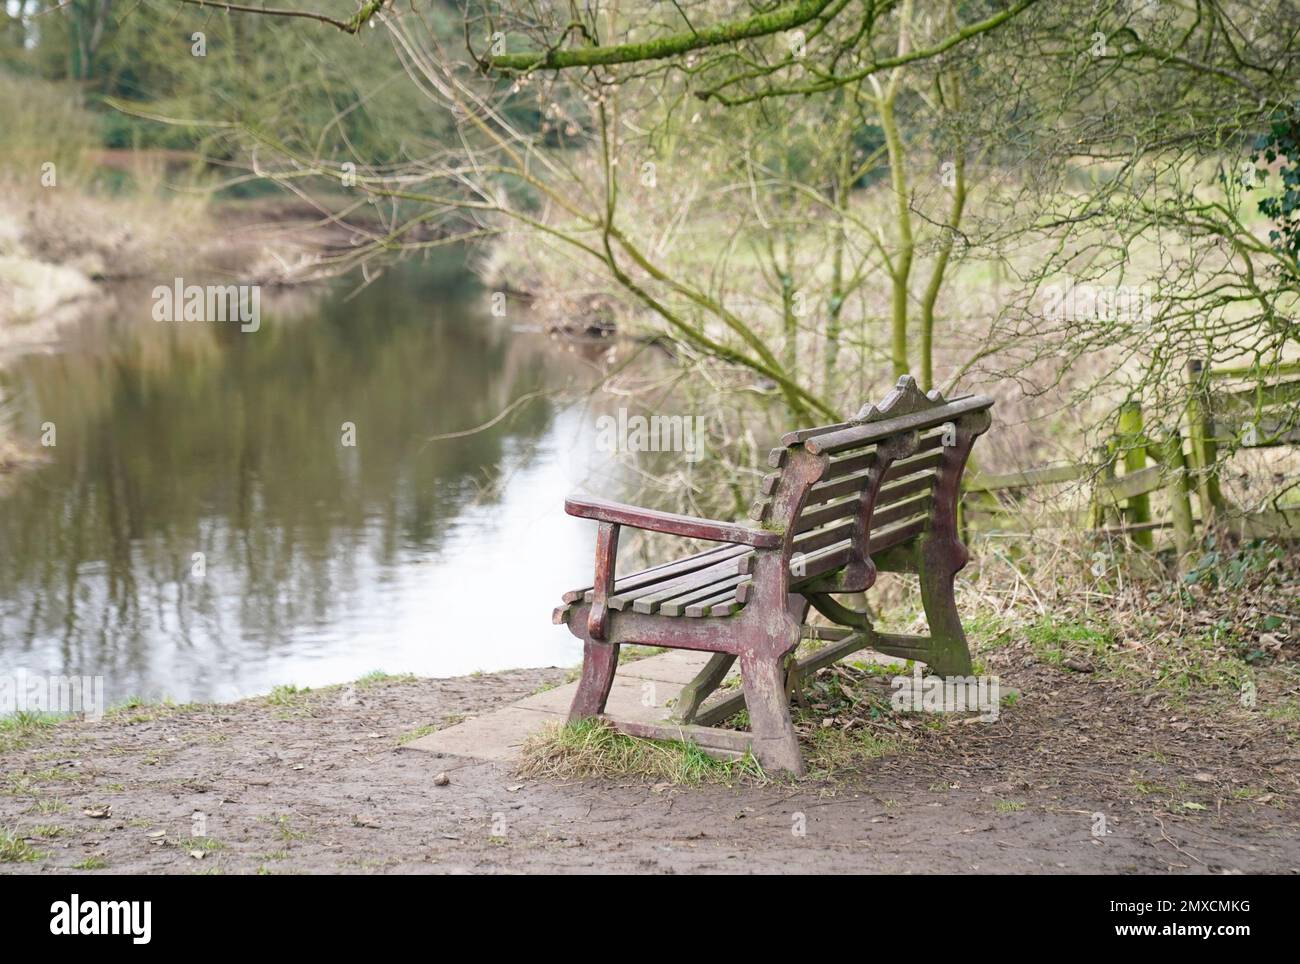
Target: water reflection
<point>319,562</point>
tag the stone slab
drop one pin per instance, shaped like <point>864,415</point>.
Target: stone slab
<point>675,666</point>
<point>644,700</point>
<point>494,736</point>
<point>640,693</point>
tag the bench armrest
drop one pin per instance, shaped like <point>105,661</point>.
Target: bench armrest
<point>617,513</point>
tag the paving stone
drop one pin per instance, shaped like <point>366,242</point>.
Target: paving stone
<point>493,736</point>
<point>631,698</point>
<point>640,693</point>
<point>675,666</point>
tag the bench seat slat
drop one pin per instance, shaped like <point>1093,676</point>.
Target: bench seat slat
<point>653,574</point>
<point>714,592</point>
<point>724,604</point>
<point>644,599</point>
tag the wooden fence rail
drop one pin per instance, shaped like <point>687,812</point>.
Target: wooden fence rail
<point>1219,419</point>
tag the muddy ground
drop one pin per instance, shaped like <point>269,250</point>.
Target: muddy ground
<point>322,783</point>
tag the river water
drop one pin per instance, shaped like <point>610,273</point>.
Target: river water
<point>200,530</point>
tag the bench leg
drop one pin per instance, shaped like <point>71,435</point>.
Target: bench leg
<point>774,740</point>
<point>599,661</point>
<point>707,680</point>
<point>949,654</point>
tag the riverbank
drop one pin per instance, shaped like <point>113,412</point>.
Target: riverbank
<point>60,247</point>
<point>63,253</point>
<point>1080,774</point>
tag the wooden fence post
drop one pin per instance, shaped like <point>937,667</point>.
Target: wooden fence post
<point>1133,444</point>
<point>1204,449</point>
<point>1102,512</point>
<point>1169,454</point>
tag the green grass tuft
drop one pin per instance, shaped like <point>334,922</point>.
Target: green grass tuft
<point>591,748</point>
<point>14,849</point>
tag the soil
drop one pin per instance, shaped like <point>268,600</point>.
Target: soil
<point>323,783</point>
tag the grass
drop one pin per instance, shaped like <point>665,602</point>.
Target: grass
<point>589,748</point>
<point>91,863</point>
<point>48,831</point>
<point>138,709</point>
<point>284,828</point>
<point>21,729</point>
<point>287,695</point>
<point>378,676</point>
<point>415,734</point>
<point>14,849</point>
<point>630,654</point>
<point>1054,640</point>
<point>46,807</point>
<point>206,845</point>
<point>830,750</point>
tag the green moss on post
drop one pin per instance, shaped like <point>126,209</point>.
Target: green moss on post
<point>1133,443</point>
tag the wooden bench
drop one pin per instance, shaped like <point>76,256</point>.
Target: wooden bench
<point>878,493</point>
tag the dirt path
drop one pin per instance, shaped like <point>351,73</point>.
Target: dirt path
<point>321,782</point>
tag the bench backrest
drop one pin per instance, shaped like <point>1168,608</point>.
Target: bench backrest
<point>847,491</point>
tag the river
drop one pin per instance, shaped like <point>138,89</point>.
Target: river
<point>201,531</point>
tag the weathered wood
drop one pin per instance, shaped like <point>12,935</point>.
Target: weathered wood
<point>649,598</point>
<point>1268,430</point>
<point>887,499</point>
<point>715,592</point>
<point>654,574</point>
<point>1200,435</point>
<point>859,435</point>
<point>853,484</point>
<point>1254,371</point>
<point>599,662</point>
<point>1180,502</point>
<point>775,743</point>
<point>1133,448</point>
<point>606,558</point>
<point>726,744</point>
<point>1260,396</point>
<point>1027,479</point>
<point>707,680</point>
<point>1132,484</point>
<point>889,494</point>
<point>848,643</point>
<point>941,554</point>
<point>672,523</point>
